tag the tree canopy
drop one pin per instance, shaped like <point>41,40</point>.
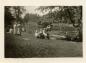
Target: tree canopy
<point>13,13</point>
<point>69,14</point>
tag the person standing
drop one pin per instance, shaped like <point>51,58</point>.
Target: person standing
<point>19,29</point>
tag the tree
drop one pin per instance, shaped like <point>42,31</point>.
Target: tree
<point>18,11</point>
<point>8,16</point>
<point>73,14</point>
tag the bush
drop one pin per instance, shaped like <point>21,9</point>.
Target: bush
<point>63,27</point>
<point>43,24</point>
<point>74,36</point>
<point>69,35</point>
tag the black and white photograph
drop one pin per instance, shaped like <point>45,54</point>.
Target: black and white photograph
<point>43,31</point>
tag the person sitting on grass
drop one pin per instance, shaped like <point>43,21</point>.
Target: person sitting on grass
<point>41,34</point>
<point>45,33</point>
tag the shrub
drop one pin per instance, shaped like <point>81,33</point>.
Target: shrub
<point>74,36</point>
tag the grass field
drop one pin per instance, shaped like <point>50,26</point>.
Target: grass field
<point>27,46</point>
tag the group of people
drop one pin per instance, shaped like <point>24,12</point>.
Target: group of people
<point>43,33</point>
<point>15,29</point>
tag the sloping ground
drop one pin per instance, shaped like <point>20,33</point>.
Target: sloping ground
<point>27,46</point>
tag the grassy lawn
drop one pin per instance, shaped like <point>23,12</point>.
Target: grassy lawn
<point>27,46</point>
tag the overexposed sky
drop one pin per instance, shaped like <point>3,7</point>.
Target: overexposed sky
<point>32,10</point>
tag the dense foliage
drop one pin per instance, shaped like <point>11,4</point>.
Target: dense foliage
<point>64,14</point>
